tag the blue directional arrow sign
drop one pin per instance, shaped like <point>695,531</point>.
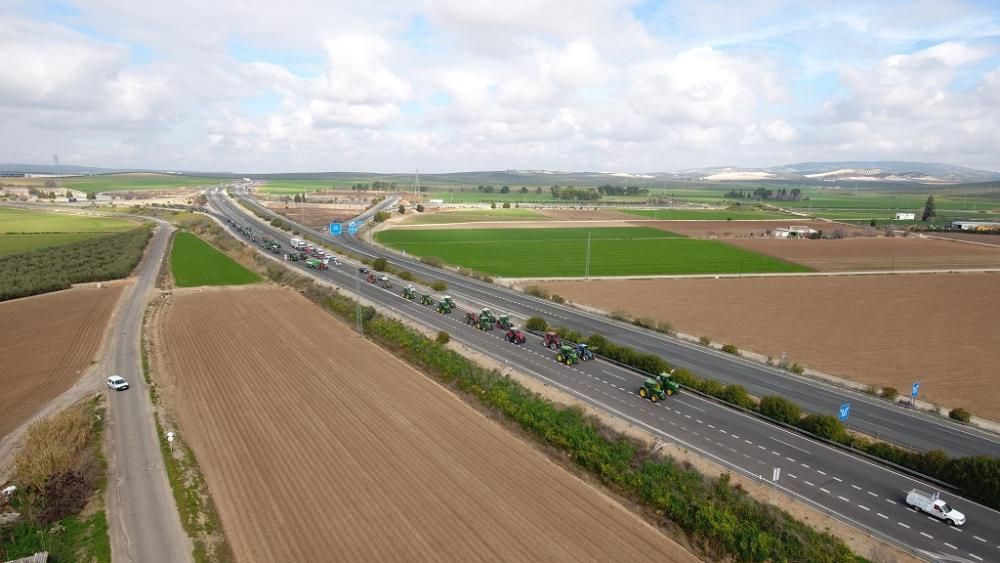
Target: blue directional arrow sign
<point>352,224</point>
<point>915,390</point>
<point>352,229</point>
<point>336,228</point>
<point>845,409</point>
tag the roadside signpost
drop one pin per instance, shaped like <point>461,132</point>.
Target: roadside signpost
<point>352,228</point>
<point>914,391</point>
<point>336,228</point>
<point>845,411</point>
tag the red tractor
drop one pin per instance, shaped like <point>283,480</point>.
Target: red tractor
<point>515,335</point>
<point>371,277</point>
<point>551,341</point>
<point>471,319</point>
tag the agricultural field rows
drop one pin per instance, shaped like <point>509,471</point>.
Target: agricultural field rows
<point>194,262</point>
<point>706,215</point>
<point>472,215</point>
<point>340,451</point>
<point>48,340</point>
<point>613,251</point>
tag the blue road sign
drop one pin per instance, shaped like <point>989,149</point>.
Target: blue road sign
<point>845,409</point>
<point>915,390</point>
<point>336,228</point>
<point>352,224</point>
<point>351,229</point>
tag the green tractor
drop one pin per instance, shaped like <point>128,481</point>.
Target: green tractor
<point>444,307</point>
<point>409,292</point>
<point>488,314</point>
<point>426,299</point>
<point>658,388</point>
<point>567,355</point>
<point>503,321</point>
<point>485,322</point>
<point>449,301</point>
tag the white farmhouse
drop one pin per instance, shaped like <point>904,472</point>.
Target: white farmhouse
<point>906,216</point>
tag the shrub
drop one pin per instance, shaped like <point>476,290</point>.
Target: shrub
<point>824,426</point>
<point>665,327</point>
<point>620,315</point>
<point>536,323</point>
<point>493,205</point>
<point>558,298</point>
<point>381,217</point>
<point>402,209</point>
<point>442,337</point>
<point>537,291</point>
<point>296,232</point>
<point>738,396</point>
<point>645,322</point>
<point>506,205</point>
<point>731,349</point>
<point>796,368</point>
<point>705,341</point>
<point>780,409</point>
<point>406,275</point>
<point>439,286</point>
<point>420,208</point>
<point>890,393</point>
<point>380,264</point>
<point>960,415</point>
<point>432,261</point>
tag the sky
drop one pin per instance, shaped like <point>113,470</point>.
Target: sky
<point>459,85</point>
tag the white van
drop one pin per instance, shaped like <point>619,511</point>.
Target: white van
<point>933,505</point>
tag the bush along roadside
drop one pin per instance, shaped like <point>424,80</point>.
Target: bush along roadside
<point>61,475</point>
<point>721,520</point>
<point>977,478</point>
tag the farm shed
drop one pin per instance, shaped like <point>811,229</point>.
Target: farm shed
<point>976,225</point>
<point>794,232</point>
<point>906,216</point>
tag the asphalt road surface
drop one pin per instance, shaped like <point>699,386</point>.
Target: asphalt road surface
<point>873,416</point>
<point>142,517</point>
<point>866,495</point>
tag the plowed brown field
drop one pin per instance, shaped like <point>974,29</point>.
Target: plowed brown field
<point>314,217</point>
<point>319,446</point>
<point>741,229</point>
<point>46,341</point>
<point>939,329</point>
<point>880,253</point>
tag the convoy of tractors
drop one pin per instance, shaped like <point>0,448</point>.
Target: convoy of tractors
<point>656,388</point>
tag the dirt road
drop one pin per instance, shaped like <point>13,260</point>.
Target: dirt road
<point>318,445</point>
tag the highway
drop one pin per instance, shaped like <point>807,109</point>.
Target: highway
<point>867,414</point>
<point>866,495</point>
<point>142,518</point>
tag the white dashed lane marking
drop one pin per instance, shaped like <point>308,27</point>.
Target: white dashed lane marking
<point>949,545</point>
<point>865,508</point>
<point>979,538</point>
<point>808,483</point>
<point>926,535</point>
<point>880,515</point>
<point>873,494</point>
<point>903,525</point>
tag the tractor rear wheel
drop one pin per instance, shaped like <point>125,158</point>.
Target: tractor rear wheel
<point>654,398</point>
<point>670,391</point>
<point>559,359</point>
<point>643,393</point>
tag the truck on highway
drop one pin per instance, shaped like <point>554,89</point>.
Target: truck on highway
<point>933,505</point>
<point>298,244</point>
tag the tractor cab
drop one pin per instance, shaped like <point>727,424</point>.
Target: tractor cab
<point>652,390</point>
<point>515,335</point>
<point>449,301</point>
<point>409,292</point>
<point>503,321</point>
<point>426,299</point>
<point>485,320</point>
<point>584,352</point>
<point>444,307</point>
<point>670,387</point>
<point>551,340</point>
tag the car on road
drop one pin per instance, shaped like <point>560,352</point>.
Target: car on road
<point>363,270</point>
<point>117,383</point>
<point>933,505</point>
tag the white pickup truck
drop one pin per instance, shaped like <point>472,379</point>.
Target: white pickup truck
<point>933,505</point>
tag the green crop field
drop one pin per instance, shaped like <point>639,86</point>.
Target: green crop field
<point>282,187</point>
<point>706,215</point>
<point>194,262</point>
<point>474,215</point>
<point>614,251</point>
<point>115,182</point>
<point>23,230</point>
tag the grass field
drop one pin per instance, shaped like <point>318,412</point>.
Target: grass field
<point>116,182</point>
<point>282,187</point>
<point>22,230</point>
<point>474,215</point>
<point>614,251</point>
<point>194,262</point>
<point>705,215</point>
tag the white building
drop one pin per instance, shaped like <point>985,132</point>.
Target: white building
<point>906,216</point>
<point>794,232</point>
<point>976,225</point>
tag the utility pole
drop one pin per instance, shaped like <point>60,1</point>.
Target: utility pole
<point>586,273</point>
<point>416,185</point>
